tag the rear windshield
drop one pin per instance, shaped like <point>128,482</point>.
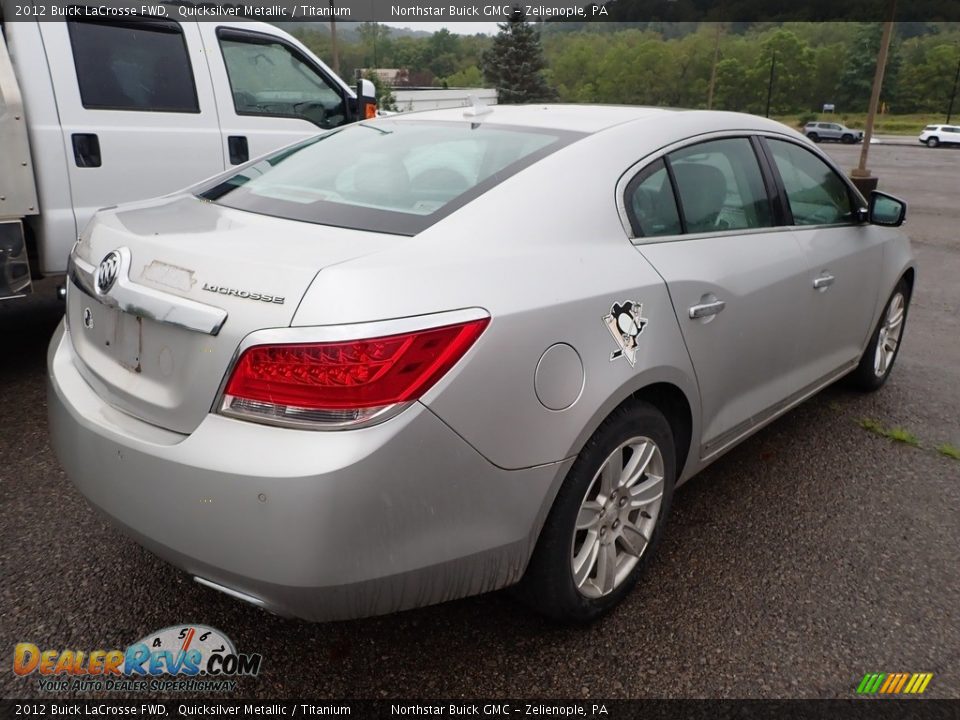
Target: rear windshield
<point>388,176</point>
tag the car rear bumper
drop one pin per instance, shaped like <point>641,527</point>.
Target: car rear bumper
<point>320,525</point>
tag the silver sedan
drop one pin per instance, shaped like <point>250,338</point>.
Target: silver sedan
<point>437,354</point>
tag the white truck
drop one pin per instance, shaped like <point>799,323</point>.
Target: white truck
<point>98,111</point>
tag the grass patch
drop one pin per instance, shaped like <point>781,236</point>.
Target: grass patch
<point>949,450</point>
<point>896,434</point>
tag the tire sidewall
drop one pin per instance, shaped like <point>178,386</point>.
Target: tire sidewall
<point>865,377</point>
<point>551,563</point>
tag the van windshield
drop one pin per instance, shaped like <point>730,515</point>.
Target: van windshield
<point>391,176</point>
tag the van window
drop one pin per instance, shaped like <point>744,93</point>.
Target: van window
<point>133,66</point>
<point>268,77</point>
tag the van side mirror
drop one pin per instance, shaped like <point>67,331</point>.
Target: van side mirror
<point>366,100</point>
<point>886,209</point>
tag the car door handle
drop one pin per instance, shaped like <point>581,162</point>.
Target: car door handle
<point>706,309</point>
<point>823,282</point>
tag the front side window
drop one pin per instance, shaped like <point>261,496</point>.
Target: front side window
<point>650,202</point>
<point>816,193</point>
<point>270,78</point>
<point>720,186</point>
<point>388,176</point>
<point>133,66</point>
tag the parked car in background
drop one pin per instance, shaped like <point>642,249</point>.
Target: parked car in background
<point>819,131</point>
<point>935,135</point>
<point>95,112</point>
<point>359,376</point>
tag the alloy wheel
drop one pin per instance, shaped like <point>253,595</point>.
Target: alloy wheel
<point>617,517</point>
<point>890,333</point>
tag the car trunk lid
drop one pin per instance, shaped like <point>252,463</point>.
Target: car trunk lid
<point>192,280</point>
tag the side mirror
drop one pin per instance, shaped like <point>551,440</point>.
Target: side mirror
<point>366,100</point>
<point>886,209</point>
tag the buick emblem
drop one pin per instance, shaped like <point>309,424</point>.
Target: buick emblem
<point>107,272</point>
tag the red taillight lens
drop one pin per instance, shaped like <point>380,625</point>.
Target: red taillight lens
<point>343,383</point>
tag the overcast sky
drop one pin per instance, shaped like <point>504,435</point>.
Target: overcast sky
<point>462,28</point>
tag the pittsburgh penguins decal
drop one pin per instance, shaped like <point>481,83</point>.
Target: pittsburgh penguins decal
<point>625,324</point>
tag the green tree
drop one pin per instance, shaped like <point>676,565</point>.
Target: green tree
<point>383,92</point>
<point>734,90</point>
<point>860,64</point>
<point>470,76</point>
<point>514,64</point>
<point>793,65</point>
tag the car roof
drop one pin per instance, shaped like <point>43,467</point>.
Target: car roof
<point>590,119</point>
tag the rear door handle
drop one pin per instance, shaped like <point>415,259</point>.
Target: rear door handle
<point>86,150</point>
<point>239,150</point>
<point>823,282</point>
<point>706,309</point>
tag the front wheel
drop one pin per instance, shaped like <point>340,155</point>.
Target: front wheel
<point>877,360</point>
<point>607,518</point>
<point>847,139</point>
<point>932,142</point>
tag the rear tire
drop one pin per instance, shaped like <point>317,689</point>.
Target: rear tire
<point>814,137</point>
<point>932,142</point>
<point>884,346</point>
<point>607,518</point>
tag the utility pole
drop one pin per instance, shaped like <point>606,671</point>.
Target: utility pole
<point>861,174</point>
<point>713,71</point>
<point>953,94</point>
<point>333,40</point>
<point>773,66</point>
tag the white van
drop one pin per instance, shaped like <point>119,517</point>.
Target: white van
<point>96,113</point>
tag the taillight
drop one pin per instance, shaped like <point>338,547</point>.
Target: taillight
<point>342,384</point>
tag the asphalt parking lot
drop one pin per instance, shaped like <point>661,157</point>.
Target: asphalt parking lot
<point>813,553</point>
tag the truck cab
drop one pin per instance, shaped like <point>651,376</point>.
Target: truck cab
<point>122,109</point>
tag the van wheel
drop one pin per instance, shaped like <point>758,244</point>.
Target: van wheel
<point>932,142</point>
<point>607,518</point>
<point>877,360</point>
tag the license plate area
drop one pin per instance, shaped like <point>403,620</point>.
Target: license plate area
<point>119,334</point>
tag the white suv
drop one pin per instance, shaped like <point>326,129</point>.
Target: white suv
<point>934,135</point>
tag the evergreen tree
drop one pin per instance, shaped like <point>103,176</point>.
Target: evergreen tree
<point>514,64</point>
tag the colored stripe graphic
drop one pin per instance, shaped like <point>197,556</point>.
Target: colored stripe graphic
<point>894,683</point>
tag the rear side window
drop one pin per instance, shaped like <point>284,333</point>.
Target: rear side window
<point>269,78</point>
<point>133,66</point>
<point>720,186</point>
<point>651,204</point>
<point>389,176</point>
<point>816,193</point>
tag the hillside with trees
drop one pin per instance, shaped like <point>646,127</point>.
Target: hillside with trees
<point>671,64</point>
